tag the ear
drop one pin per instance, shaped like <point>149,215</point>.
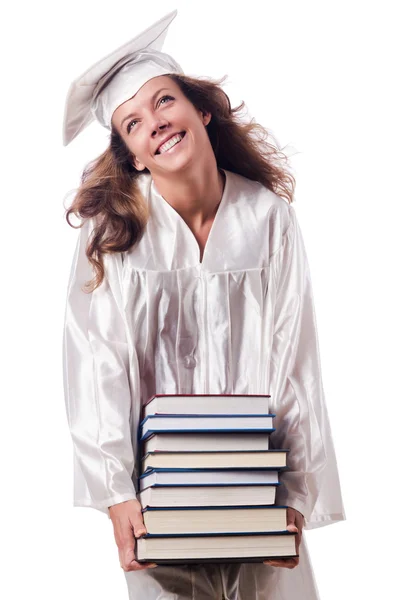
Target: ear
<point>206,116</point>
<point>137,164</point>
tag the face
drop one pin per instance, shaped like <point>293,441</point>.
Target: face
<point>163,130</point>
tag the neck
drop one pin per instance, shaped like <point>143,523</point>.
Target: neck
<point>195,196</point>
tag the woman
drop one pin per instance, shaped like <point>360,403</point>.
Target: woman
<point>199,284</point>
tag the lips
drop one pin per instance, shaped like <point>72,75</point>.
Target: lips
<point>181,133</point>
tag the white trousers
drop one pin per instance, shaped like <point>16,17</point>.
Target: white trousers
<point>198,582</point>
<point>248,581</point>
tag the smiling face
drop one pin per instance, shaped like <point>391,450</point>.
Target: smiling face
<point>162,128</point>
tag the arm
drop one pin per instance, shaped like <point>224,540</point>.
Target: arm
<point>311,486</point>
<point>96,384</point>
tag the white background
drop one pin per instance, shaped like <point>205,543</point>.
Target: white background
<point>320,76</point>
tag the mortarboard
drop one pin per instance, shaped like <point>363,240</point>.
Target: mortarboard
<point>108,83</point>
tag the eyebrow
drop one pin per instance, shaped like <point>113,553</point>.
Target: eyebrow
<point>152,100</point>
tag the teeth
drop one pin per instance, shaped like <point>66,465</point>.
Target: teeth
<point>177,138</point>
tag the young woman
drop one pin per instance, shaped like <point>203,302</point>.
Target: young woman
<point>199,283</point>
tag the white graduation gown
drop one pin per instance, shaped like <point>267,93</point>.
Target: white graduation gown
<point>240,322</point>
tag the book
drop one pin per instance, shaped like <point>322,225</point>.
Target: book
<point>195,423</point>
<point>240,548</point>
<point>209,495</point>
<point>271,459</point>
<point>208,474</point>
<point>215,519</point>
<point>196,442</point>
<point>206,477</point>
<point>207,404</point>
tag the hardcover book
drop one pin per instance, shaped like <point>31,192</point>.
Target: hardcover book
<point>208,495</point>
<point>207,477</point>
<point>204,423</point>
<point>215,519</point>
<point>196,442</point>
<point>207,404</point>
<point>271,459</point>
<point>243,548</point>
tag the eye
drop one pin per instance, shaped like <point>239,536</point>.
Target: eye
<point>130,125</point>
<point>165,98</point>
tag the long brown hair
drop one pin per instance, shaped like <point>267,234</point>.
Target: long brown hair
<point>109,192</point>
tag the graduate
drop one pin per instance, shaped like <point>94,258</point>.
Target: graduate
<point>189,277</point>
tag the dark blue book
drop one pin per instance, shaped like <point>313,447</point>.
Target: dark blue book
<point>256,459</point>
<point>242,423</point>
<point>184,495</point>
<point>211,441</point>
<point>208,477</point>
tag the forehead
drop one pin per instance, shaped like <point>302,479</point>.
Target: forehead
<point>151,86</point>
<point>143,97</point>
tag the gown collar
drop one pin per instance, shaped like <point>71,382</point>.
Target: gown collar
<point>159,205</point>
<point>237,239</point>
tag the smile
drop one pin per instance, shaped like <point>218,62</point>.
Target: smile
<point>178,137</point>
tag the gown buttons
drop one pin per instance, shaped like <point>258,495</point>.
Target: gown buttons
<point>189,362</point>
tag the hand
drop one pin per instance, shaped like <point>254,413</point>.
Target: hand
<point>294,523</point>
<point>128,525</point>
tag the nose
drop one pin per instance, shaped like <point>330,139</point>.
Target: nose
<point>159,125</point>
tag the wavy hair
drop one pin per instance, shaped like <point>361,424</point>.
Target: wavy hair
<point>109,192</point>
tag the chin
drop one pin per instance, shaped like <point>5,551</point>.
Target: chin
<point>179,164</point>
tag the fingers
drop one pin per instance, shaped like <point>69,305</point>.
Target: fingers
<point>291,519</point>
<point>287,563</point>
<point>125,543</point>
<point>127,557</point>
<point>138,529</point>
<point>299,522</point>
<point>294,524</point>
<point>295,521</point>
<point>128,524</point>
<point>137,524</point>
<point>136,566</point>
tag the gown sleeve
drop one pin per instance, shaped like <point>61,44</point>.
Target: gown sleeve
<point>96,383</point>
<point>311,485</point>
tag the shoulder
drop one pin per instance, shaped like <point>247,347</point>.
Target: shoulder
<point>259,195</point>
<point>268,208</point>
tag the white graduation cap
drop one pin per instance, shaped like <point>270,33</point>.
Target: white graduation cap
<point>116,78</point>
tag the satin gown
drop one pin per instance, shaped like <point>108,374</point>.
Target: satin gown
<point>241,321</point>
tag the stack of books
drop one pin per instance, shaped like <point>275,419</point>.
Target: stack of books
<point>208,481</point>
